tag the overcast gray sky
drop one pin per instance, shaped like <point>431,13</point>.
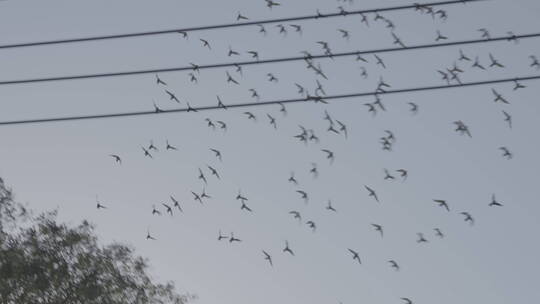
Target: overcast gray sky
<point>65,165</point>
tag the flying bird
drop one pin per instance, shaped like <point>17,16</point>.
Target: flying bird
<point>372,193</point>
<point>116,158</point>
<point>355,255</point>
<point>442,203</point>
<point>494,201</point>
<point>205,43</point>
<point>378,228</point>
<point>267,257</point>
<point>288,249</point>
<point>468,218</point>
<point>394,265</point>
<point>506,152</point>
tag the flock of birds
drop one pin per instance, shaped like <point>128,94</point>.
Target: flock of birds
<point>336,127</point>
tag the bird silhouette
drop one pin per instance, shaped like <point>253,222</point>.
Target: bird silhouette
<point>155,211</point>
<point>270,3</point>
<point>311,224</point>
<point>206,43</point>
<point>378,228</point>
<point>116,158</point>
<point>372,193</point>
<point>494,62</point>
<point>421,238</point>
<point>288,249</point>
<point>407,300</point>
<point>202,177</point>
<point>494,201</point>
<point>303,195</point>
<point>403,173</point>
<point>213,171</point>
<point>222,237</point>
<point>413,108</point>
<point>442,203</point>
<point>394,265</point>
<point>508,119</point>
<point>217,153</point>
<point>159,81</point>
<point>267,257</point>
<point>176,203</point>
<point>355,255</point>
<point>330,207</point>
<point>296,215</point>
<point>148,236</point>
<point>438,233</point>
<point>233,239</point>
<point>329,155</point>
<point>99,205</point>
<point>506,153</point>
<point>146,152</point>
<point>499,97</point>
<point>240,17</point>
<point>169,209</point>
<point>468,218</point>
<point>387,175</point>
<point>172,96</point>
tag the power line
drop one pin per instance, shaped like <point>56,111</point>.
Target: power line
<point>268,61</point>
<point>271,102</point>
<point>232,25</point>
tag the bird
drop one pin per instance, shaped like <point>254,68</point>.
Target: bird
<point>169,209</point>
<point>233,239</point>
<point>403,173</point>
<point>271,77</point>
<point>240,17</point>
<point>462,128</point>
<point>292,179</point>
<point>477,64</point>
<point>296,215</point>
<point>245,207</point>
<point>232,52</point>
<point>494,62</point>
<point>148,236</point>
<point>442,203</point>
<point>202,177</point>
<point>485,33</point>
<point>314,171</point>
<point>499,97</point>
<point>159,81</point>
<point>421,238</point>
<point>172,96</point>
<point>398,41</point>
<point>344,34</point>
<point>262,29</point>
<point>250,116</point>
<point>220,103</point>
<point>463,57</point>
<point>146,152</point>
<point>303,195</point>
<point>342,128</point>
<point>438,233</point>
<point>518,85</point>
<point>387,175</point>
<point>217,153</point>
<point>99,205</point>
<point>222,125</point>
<point>222,237</point>
<point>494,201</point>
<point>394,265</point>
<point>197,197</point>
<point>184,34</point>
<point>506,152</point>
<point>254,54</point>
<point>407,300</point>
<point>372,193</point>
<point>440,36</point>
<point>379,61</point>
<point>330,207</point>
<point>378,228</point>
<point>508,119</point>
<point>230,78</point>
<point>355,255</point>
<point>282,29</point>
<point>297,28</point>
<point>155,211</point>
<point>116,158</point>
<point>267,257</point>
<point>213,171</point>
<point>206,43</point>
<point>169,146</point>
<point>176,203</point>
<point>329,155</point>
<point>534,62</point>
<point>311,225</point>
<point>157,109</point>
<point>288,249</point>
<point>468,218</point>
<point>272,120</point>
<point>270,3</point>
<point>413,108</point>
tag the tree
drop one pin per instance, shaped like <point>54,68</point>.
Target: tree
<point>43,261</point>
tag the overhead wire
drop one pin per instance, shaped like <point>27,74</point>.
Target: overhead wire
<point>233,25</point>
<point>270,102</point>
<point>269,61</point>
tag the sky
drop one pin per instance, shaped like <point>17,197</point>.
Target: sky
<point>65,165</point>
